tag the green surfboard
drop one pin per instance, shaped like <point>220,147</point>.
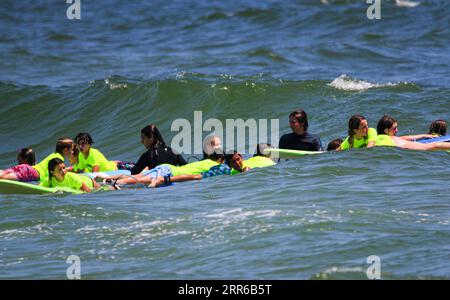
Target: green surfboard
<point>287,153</point>
<point>17,187</point>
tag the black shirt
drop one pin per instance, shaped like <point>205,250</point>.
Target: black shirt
<point>307,142</point>
<point>156,156</point>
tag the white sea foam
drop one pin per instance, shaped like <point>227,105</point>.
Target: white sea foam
<point>239,214</point>
<point>336,271</point>
<point>406,3</point>
<point>346,83</point>
<point>400,212</point>
<point>113,86</point>
<point>343,270</point>
<point>219,220</point>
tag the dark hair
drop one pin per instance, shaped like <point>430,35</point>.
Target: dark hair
<point>260,149</point>
<point>216,155</point>
<point>301,117</point>
<point>230,159</point>
<point>26,155</point>
<point>353,124</point>
<point>75,150</point>
<point>334,144</point>
<point>151,131</point>
<point>83,137</point>
<point>51,167</point>
<point>63,143</point>
<point>385,122</point>
<point>438,127</point>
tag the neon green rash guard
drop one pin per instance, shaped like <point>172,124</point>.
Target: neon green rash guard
<point>384,140</point>
<point>255,162</point>
<point>258,162</point>
<point>95,158</point>
<point>71,180</point>
<point>193,168</point>
<point>361,143</point>
<point>234,172</point>
<point>42,167</point>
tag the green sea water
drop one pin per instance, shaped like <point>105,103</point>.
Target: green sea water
<point>123,67</point>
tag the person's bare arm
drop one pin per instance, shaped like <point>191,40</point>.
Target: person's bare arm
<point>85,188</point>
<point>416,137</point>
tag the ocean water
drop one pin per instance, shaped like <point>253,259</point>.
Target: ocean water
<point>125,65</point>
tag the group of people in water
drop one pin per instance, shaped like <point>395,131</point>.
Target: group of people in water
<point>160,165</point>
<point>360,135</point>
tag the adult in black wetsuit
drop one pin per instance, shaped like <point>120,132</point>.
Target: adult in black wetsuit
<point>157,151</point>
<point>300,138</point>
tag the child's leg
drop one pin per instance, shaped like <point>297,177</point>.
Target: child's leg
<point>8,176</point>
<point>154,176</point>
<point>128,179</point>
<point>179,178</point>
<point>111,177</point>
<point>442,146</point>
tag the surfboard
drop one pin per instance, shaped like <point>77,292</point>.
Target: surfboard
<point>282,153</point>
<point>17,187</point>
<point>445,138</point>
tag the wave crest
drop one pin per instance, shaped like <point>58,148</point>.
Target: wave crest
<point>346,83</point>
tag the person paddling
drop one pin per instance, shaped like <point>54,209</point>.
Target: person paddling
<point>157,151</point>
<point>387,129</point>
<point>26,172</point>
<point>59,176</point>
<point>300,138</point>
<point>359,134</point>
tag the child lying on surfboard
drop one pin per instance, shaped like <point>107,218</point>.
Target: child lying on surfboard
<point>165,170</point>
<point>27,171</point>
<point>387,128</point>
<point>59,176</point>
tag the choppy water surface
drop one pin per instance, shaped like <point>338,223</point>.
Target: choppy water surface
<point>123,66</point>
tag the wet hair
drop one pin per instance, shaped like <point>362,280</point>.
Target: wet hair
<point>27,156</point>
<point>229,157</point>
<point>216,155</point>
<point>438,127</point>
<point>83,137</point>
<point>385,122</point>
<point>334,144</point>
<point>353,123</point>
<point>75,151</point>
<point>301,117</point>
<point>63,143</point>
<point>51,167</point>
<point>151,131</point>
<point>260,149</point>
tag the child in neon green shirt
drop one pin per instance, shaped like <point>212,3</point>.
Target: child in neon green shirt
<point>58,176</point>
<point>38,172</point>
<point>359,134</point>
<point>92,160</point>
